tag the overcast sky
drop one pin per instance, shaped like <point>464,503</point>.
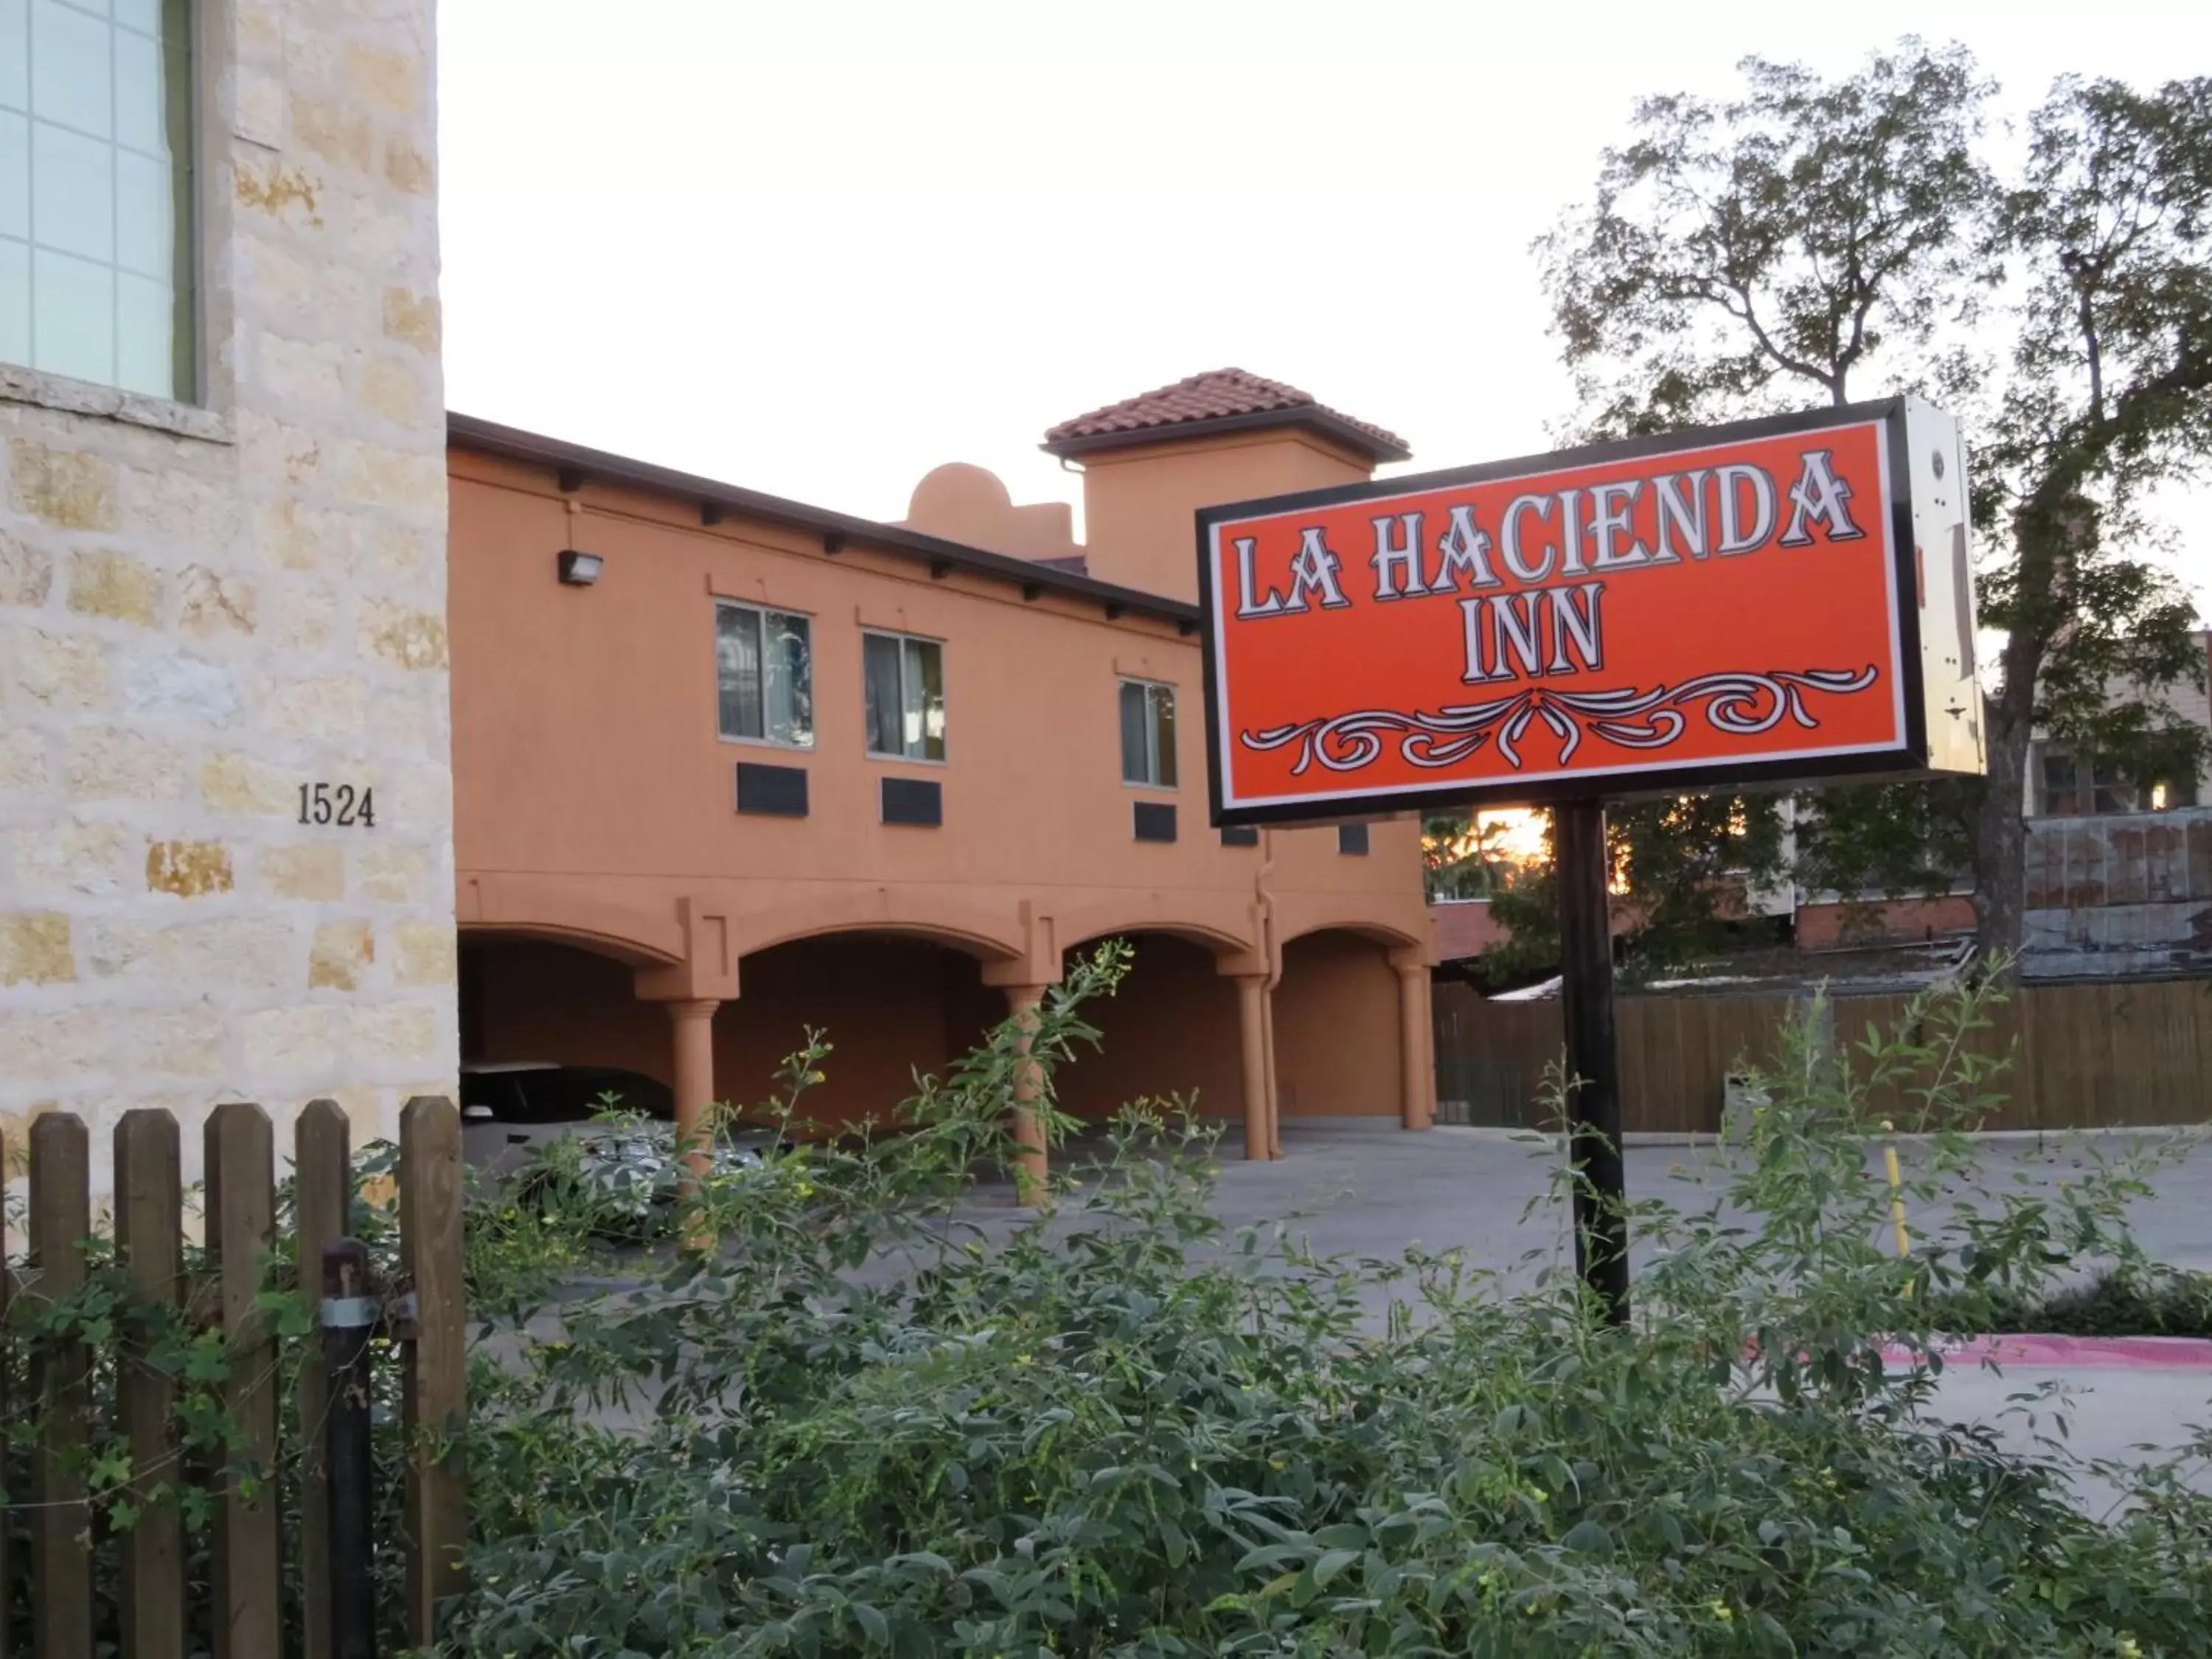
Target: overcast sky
<point>818,248</point>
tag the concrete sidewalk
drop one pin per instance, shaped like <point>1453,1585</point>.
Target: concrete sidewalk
<point>2124,1414</point>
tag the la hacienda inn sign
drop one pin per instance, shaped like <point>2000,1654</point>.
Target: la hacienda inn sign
<point>1777,602</point>
<point>1772,602</point>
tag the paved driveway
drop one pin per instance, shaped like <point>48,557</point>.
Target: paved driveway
<point>1364,1189</point>
<point>1369,1188</point>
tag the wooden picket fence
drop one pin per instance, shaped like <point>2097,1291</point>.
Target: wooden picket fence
<point>240,1222</point>
<point>2108,1054</point>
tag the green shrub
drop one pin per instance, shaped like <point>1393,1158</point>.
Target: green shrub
<point>2136,1300</point>
<point>889,1414</point>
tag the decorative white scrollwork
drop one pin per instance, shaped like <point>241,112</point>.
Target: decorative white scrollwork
<point>1742,704</point>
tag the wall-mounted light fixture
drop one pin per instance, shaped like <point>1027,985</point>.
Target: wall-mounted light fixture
<point>579,569</point>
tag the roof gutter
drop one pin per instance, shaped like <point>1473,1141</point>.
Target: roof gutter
<point>717,500</point>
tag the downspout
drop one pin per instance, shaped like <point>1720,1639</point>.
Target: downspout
<point>1265,895</point>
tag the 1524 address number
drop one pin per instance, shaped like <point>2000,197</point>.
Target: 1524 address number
<point>339,804</point>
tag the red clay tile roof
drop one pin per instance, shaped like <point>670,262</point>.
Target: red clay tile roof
<point>1220,396</point>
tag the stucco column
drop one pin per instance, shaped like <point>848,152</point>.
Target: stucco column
<point>1252,1035</point>
<point>1415,1110</point>
<point>1030,1158</point>
<point>693,1020</point>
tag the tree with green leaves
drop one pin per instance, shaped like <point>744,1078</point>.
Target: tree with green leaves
<point>2109,228</point>
<point>1682,870</point>
<point>1818,239</point>
<point>1462,856</point>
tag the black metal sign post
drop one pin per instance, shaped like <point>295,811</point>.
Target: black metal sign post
<point>1594,1080</point>
<point>349,1318</point>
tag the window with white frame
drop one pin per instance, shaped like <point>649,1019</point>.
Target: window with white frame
<point>764,674</point>
<point>95,191</point>
<point>904,695</point>
<point>1148,734</point>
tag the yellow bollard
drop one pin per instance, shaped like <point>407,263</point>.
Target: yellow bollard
<point>1896,1193</point>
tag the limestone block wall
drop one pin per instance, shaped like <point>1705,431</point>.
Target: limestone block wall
<point>205,608</point>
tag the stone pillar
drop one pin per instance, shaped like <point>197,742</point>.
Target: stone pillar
<point>1259,1098</point>
<point>1415,1111</point>
<point>693,1020</point>
<point>1031,1164</point>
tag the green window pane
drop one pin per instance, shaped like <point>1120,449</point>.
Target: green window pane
<point>15,301</point>
<point>145,216</point>
<point>16,54</point>
<point>94,175</point>
<point>146,335</point>
<point>72,79</point>
<point>142,119</point>
<point>72,193</point>
<point>14,175</point>
<point>72,317</point>
<point>1163,735</point>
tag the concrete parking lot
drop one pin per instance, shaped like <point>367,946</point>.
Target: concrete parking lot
<point>1364,1189</point>
<point>1370,1189</point>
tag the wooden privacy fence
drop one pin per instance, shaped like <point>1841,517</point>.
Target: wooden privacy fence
<point>143,1566</point>
<point>2081,1056</point>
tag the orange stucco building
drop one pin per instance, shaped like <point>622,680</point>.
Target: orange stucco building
<point>727,767</point>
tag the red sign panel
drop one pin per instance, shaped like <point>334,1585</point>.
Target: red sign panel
<point>1730,605</point>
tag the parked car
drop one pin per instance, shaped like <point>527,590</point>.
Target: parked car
<point>509,1106</point>
<point>624,1121</point>
<point>543,1091</point>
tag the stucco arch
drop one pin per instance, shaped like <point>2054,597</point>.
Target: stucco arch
<point>1403,943</point>
<point>1366,927</point>
<point>1350,1017</point>
<point>1224,927</point>
<point>491,905</point>
<point>981,933</point>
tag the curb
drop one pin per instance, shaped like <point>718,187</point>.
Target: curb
<point>2161,1353</point>
<point>1699,1138</point>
